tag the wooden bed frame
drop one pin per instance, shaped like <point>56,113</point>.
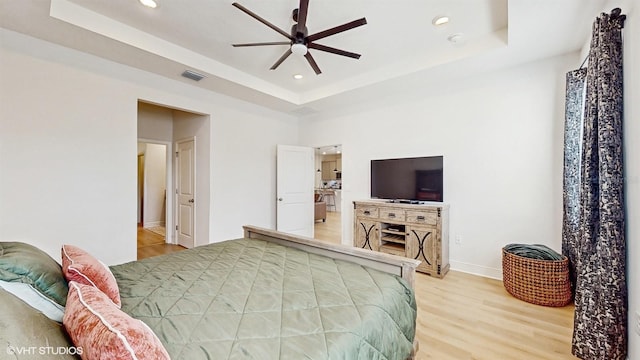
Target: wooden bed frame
<point>397,265</point>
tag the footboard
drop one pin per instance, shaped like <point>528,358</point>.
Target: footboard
<point>397,265</point>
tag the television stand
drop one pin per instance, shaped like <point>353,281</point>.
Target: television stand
<point>417,231</point>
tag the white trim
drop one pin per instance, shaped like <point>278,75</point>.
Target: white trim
<point>153,224</point>
<point>473,269</point>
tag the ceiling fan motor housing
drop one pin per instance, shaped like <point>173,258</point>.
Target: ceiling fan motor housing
<point>299,37</point>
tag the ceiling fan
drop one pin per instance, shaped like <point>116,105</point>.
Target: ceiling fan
<point>299,40</point>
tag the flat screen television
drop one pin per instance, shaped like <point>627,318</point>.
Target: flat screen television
<point>408,179</point>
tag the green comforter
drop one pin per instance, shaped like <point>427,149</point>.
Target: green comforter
<point>251,299</point>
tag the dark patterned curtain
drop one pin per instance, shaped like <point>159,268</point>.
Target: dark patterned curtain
<point>574,116</point>
<point>600,323</point>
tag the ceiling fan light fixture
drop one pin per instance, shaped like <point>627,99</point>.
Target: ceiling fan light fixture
<point>440,20</point>
<point>299,49</point>
<point>149,3</point>
<point>298,76</point>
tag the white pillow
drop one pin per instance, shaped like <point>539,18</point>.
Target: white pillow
<point>35,299</point>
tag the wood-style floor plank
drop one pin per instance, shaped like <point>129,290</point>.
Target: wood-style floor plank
<point>329,230</point>
<point>151,244</point>
<point>465,316</point>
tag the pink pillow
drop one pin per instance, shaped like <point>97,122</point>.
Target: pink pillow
<point>103,331</point>
<point>81,267</point>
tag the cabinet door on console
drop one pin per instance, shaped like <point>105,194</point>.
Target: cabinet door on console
<point>367,234</point>
<point>420,245</point>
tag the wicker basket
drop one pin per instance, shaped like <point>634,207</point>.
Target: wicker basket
<point>541,282</point>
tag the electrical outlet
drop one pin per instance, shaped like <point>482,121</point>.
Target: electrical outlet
<point>637,322</point>
<point>458,240</point>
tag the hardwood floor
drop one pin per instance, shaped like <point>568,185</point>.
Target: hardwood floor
<point>329,230</point>
<point>151,244</point>
<point>460,317</point>
<point>466,316</point>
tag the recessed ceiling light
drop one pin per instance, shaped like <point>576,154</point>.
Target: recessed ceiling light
<point>298,76</point>
<point>440,20</point>
<point>149,3</point>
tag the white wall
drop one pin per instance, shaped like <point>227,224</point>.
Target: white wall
<point>243,170</point>
<point>501,137</point>
<point>67,157</point>
<point>68,139</point>
<point>155,122</point>
<point>632,167</point>
<point>155,174</point>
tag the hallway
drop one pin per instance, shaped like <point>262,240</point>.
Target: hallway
<point>152,244</point>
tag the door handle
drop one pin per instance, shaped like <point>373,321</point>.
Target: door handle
<point>191,200</point>
<point>280,199</point>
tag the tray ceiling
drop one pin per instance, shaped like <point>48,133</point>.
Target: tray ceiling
<point>398,42</point>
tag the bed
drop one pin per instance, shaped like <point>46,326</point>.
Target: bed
<point>271,295</point>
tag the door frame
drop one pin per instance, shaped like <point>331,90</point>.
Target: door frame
<point>176,202</point>
<point>170,237</point>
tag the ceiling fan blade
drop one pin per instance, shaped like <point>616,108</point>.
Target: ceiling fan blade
<point>282,58</point>
<point>312,62</point>
<point>333,50</point>
<point>337,29</point>
<point>253,15</point>
<point>263,44</point>
<point>302,15</point>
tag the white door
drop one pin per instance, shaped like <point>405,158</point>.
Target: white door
<point>294,190</point>
<point>186,192</point>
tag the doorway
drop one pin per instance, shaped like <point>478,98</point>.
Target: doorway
<point>154,177</point>
<point>328,197</point>
<point>152,187</point>
<point>164,125</point>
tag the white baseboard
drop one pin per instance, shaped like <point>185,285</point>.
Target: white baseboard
<point>149,224</point>
<point>476,270</point>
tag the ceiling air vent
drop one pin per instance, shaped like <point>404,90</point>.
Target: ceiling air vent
<point>193,75</point>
